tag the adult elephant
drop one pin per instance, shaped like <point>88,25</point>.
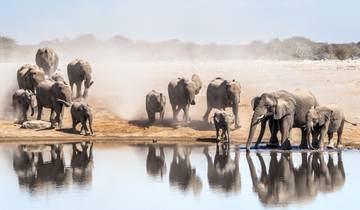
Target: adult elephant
<point>29,76</point>
<point>54,95</point>
<point>47,59</point>
<point>182,93</point>
<point>288,110</point>
<point>222,93</point>
<point>79,71</point>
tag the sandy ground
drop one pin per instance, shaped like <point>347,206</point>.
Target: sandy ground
<point>330,81</point>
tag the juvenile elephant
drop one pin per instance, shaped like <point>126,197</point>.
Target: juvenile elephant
<point>222,121</point>
<point>287,109</point>
<point>81,113</point>
<point>323,120</point>
<point>182,93</point>
<point>47,59</point>
<point>78,71</point>
<point>22,100</point>
<point>155,164</point>
<point>29,76</point>
<point>54,95</point>
<point>155,102</point>
<point>222,93</point>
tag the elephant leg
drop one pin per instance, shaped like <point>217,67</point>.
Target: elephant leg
<point>61,117</point>
<point>235,110</point>
<point>261,134</point>
<point>274,128</point>
<point>186,113</point>
<point>83,124</point>
<point>162,113</point>
<point>339,135</point>
<point>74,123</point>
<point>175,111</point>
<point>227,135</point>
<point>40,108</point>
<point>331,141</point>
<point>78,89</point>
<point>206,115</point>
<point>285,129</point>
<point>304,141</point>
<point>322,135</point>
<point>52,118</point>
<point>217,133</point>
<point>72,89</point>
<point>24,115</point>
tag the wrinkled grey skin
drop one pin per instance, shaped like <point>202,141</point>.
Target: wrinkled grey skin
<point>283,183</point>
<point>22,100</point>
<point>29,76</point>
<point>288,110</point>
<point>223,172</point>
<point>47,59</point>
<point>222,121</point>
<point>221,94</point>
<point>155,164</point>
<point>79,71</point>
<point>81,113</point>
<point>324,120</point>
<point>53,95</point>
<point>155,102</point>
<point>182,94</point>
<point>182,174</point>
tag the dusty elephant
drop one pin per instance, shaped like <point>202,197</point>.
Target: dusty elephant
<point>222,121</point>
<point>82,113</point>
<point>54,95</point>
<point>155,102</point>
<point>29,76</point>
<point>288,110</point>
<point>47,59</point>
<point>182,94</point>
<point>80,71</point>
<point>22,100</point>
<point>222,93</point>
<point>324,120</point>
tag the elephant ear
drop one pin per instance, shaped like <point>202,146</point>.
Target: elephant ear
<point>255,102</point>
<point>284,107</point>
<point>324,116</point>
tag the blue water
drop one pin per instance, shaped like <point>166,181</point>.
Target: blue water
<point>111,176</point>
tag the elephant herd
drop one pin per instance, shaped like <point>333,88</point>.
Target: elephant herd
<point>43,86</point>
<point>280,181</point>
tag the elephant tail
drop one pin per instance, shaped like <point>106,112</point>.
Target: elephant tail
<point>354,124</point>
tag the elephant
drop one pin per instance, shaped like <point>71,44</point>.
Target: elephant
<point>222,121</point>
<point>223,172</point>
<point>325,119</point>
<point>81,113</point>
<point>222,93</point>
<point>47,59</point>
<point>82,162</point>
<point>58,77</point>
<point>29,76</point>
<point>54,95</point>
<point>155,102</point>
<point>155,164</point>
<point>288,110</point>
<point>78,71</point>
<point>22,100</point>
<point>182,94</point>
<point>182,174</point>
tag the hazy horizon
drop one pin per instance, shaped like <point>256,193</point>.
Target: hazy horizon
<point>200,21</point>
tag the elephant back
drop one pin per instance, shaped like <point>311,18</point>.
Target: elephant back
<point>29,76</point>
<point>304,101</point>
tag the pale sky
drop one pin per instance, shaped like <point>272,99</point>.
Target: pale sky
<point>202,21</point>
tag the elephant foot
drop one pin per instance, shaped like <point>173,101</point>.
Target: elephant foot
<point>286,145</point>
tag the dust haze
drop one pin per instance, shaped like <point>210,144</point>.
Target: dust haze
<point>121,84</point>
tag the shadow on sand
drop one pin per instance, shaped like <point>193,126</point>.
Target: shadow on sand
<point>198,125</point>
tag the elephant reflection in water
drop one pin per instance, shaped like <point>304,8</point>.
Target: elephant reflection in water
<point>37,174</point>
<point>33,171</point>
<point>82,163</point>
<point>182,174</point>
<point>155,164</point>
<point>283,183</point>
<point>223,172</point>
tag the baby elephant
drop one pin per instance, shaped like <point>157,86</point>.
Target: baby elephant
<point>81,113</point>
<point>155,102</point>
<point>222,121</point>
<point>325,119</point>
<point>22,100</point>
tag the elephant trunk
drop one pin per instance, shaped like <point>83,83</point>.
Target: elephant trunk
<point>90,123</point>
<point>253,125</point>
<point>309,128</point>
<point>235,109</point>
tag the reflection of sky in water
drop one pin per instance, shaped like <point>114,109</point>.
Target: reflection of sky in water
<point>120,180</point>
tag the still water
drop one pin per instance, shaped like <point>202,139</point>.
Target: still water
<point>110,176</point>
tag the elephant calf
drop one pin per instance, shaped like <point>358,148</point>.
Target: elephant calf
<point>79,71</point>
<point>81,113</point>
<point>155,102</point>
<point>325,119</point>
<point>222,121</point>
<point>22,100</point>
